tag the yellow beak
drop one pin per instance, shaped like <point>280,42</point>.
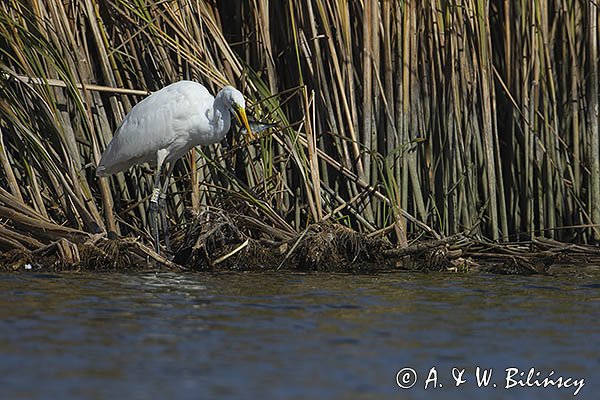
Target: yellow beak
<point>242,114</point>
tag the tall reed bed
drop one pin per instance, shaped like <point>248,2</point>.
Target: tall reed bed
<point>400,118</point>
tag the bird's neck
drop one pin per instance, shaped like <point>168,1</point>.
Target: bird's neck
<point>221,120</point>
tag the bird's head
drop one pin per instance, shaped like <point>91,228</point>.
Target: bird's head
<point>237,104</point>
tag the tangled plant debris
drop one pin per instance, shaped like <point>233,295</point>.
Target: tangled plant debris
<point>217,240</point>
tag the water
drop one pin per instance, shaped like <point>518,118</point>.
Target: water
<point>294,336</point>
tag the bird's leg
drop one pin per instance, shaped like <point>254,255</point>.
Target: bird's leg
<point>166,226</point>
<point>162,203</point>
<point>154,207</point>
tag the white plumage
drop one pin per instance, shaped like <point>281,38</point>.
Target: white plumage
<point>166,125</point>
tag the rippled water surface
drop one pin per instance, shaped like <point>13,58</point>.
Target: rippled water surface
<point>295,336</point>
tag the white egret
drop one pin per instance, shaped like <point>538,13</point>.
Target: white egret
<point>163,127</point>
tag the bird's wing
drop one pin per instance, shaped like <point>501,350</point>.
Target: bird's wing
<point>160,121</point>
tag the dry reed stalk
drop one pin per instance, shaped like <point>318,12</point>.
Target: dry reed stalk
<point>594,148</point>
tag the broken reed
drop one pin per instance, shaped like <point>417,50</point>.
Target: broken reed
<point>395,116</point>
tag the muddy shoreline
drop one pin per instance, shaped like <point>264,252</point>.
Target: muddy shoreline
<point>218,241</point>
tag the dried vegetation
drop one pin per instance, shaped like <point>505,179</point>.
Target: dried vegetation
<point>399,124</point>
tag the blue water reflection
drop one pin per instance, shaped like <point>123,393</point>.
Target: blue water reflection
<point>292,336</point>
